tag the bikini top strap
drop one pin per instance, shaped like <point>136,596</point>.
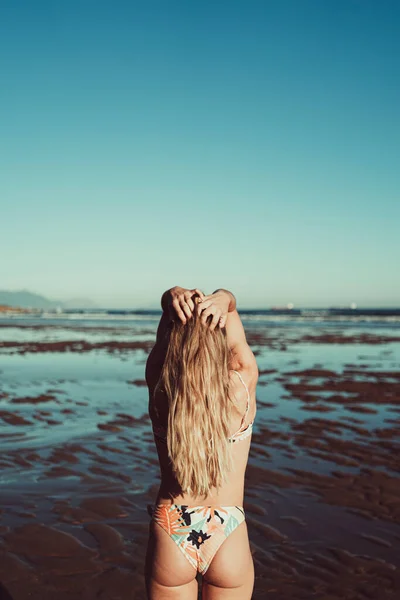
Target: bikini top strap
<point>248,396</point>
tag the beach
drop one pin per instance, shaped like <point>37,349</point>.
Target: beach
<point>78,466</point>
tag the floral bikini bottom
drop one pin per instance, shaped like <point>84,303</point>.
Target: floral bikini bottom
<point>198,531</point>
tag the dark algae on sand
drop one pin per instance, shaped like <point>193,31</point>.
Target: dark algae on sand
<point>78,465</point>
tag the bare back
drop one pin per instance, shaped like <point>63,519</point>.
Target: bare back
<point>217,545</point>
<point>242,390</point>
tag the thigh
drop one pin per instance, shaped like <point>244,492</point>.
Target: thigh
<point>169,575</point>
<point>230,575</point>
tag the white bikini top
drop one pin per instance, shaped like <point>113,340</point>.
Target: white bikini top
<point>244,431</point>
<point>241,434</point>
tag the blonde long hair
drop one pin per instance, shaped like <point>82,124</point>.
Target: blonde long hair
<point>195,377</point>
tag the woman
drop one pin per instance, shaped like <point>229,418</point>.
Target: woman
<point>202,379</point>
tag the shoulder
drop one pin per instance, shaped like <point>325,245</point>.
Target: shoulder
<point>243,359</point>
<point>249,371</point>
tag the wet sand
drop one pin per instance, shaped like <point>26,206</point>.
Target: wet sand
<point>78,466</point>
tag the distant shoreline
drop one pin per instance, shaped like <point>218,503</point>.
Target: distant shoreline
<point>299,312</point>
<point>5,309</point>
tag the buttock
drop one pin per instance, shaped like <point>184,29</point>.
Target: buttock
<point>198,531</point>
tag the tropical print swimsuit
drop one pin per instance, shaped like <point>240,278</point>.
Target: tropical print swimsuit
<point>198,531</point>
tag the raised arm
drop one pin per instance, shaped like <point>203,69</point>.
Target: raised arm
<point>178,301</point>
<point>218,304</point>
<point>242,354</point>
<point>222,305</point>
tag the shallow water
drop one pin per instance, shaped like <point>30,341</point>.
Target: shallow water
<point>75,436</point>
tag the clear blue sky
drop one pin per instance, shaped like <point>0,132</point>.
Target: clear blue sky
<point>240,144</point>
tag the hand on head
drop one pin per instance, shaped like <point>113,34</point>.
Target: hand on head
<point>182,304</point>
<point>217,305</point>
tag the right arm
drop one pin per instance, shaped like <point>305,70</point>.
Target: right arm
<point>243,357</point>
<point>222,305</point>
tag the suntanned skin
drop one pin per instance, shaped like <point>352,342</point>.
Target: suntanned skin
<point>231,574</point>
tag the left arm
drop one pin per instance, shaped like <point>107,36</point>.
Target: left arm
<point>176,301</point>
<point>179,301</point>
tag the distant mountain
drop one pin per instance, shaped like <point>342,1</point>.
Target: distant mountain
<point>26,299</point>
